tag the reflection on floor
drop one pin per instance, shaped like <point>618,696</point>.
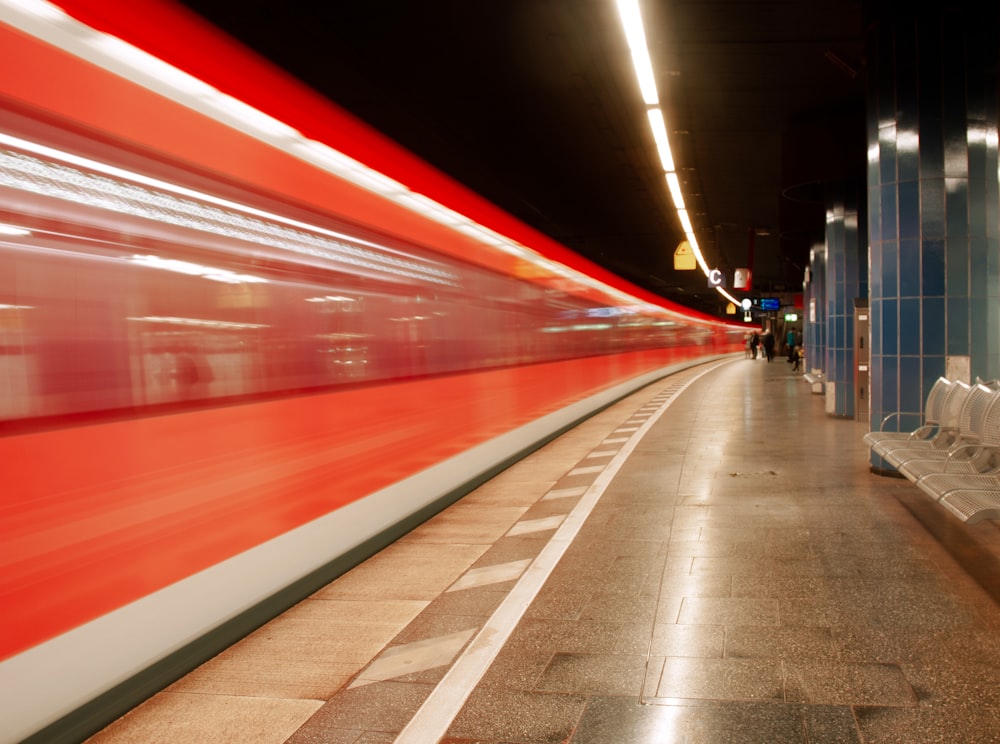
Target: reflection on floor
<point>742,578</point>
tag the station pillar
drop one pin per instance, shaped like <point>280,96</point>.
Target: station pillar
<point>846,280</point>
<point>933,201</point>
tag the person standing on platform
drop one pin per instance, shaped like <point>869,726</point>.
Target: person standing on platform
<point>769,345</point>
<point>754,343</point>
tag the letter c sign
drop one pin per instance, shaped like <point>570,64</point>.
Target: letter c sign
<point>715,278</point>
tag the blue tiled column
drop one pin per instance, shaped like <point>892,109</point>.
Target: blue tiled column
<point>814,327</point>
<point>843,285</point>
<point>934,263</point>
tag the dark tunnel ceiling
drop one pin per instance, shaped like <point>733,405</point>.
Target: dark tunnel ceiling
<point>533,104</point>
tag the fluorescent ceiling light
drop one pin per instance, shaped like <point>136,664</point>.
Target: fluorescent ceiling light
<point>660,136</point>
<point>682,214</point>
<point>636,36</point>
<point>674,184</point>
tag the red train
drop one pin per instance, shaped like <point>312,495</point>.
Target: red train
<point>244,343</point>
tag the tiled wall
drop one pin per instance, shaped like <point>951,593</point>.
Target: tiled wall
<point>934,263</point>
<point>814,328</point>
<point>844,283</point>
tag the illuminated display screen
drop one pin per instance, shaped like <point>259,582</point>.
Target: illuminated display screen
<point>770,303</point>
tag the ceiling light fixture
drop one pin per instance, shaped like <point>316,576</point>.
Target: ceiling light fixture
<point>635,35</point>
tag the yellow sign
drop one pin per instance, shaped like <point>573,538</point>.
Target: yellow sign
<point>684,259</point>
<point>730,309</point>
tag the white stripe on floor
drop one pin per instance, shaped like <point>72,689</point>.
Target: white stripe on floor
<point>431,721</point>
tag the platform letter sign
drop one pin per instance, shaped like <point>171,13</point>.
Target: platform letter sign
<point>716,279</point>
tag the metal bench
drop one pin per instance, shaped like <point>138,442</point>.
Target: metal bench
<point>963,477</point>
<point>971,496</point>
<point>815,380</point>
<point>883,440</point>
<point>954,461</point>
<point>966,453</point>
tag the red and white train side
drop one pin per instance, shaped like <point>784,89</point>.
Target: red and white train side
<point>244,343</point>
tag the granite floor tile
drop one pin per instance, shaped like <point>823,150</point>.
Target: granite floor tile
<point>415,657</point>
<point>780,587</point>
<point>615,608</point>
<point>826,683</point>
<point>467,523</point>
<point>928,725</point>
<point>968,685</point>
<point>671,639</point>
<point>509,488</point>
<point>264,676</point>
<point>308,735</point>
<point>756,680</point>
<point>593,674</point>
<point>565,604</point>
<point>668,609</point>
<point>296,640</point>
<point>608,720</point>
<point>171,717</point>
<point>830,725</point>
<point>732,565</point>
<point>435,624</point>
<point>706,548</point>
<point>370,737</point>
<point>480,602</point>
<point>357,612</point>
<point>384,707</point>
<point>696,585</point>
<point>569,636</point>
<point>406,570</point>
<point>634,638</point>
<point>728,611</point>
<point>510,549</point>
<point>517,667</point>
<point>530,526</point>
<point>491,574</point>
<point>919,645</point>
<point>821,612</point>
<point>780,643</point>
<point>499,715</point>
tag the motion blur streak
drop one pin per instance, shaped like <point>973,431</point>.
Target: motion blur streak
<point>226,371</point>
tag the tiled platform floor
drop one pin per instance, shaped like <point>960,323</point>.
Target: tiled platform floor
<point>743,578</point>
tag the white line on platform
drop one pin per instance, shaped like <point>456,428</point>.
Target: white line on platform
<point>431,721</point>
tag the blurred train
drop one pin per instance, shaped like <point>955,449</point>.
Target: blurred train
<point>245,342</point>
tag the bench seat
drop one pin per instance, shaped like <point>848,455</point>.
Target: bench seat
<point>973,506</point>
<point>959,465</point>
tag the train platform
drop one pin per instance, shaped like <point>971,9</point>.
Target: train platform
<point>708,560</point>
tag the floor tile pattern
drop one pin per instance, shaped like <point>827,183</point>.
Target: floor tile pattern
<point>743,578</point>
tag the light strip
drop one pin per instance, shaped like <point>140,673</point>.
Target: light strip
<point>631,18</point>
<point>50,24</point>
<point>674,184</point>
<point>636,36</point>
<point>108,187</point>
<point>659,128</point>
<point>197,322</point>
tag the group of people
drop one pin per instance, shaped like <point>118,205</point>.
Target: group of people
<point>755,341</point>
<point>765,343</point>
